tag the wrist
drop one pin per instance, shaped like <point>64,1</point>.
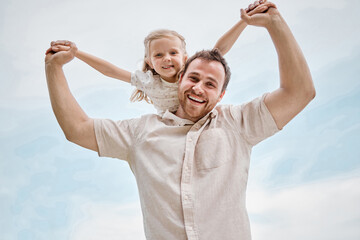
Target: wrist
<point>77,53</point>
<point>276,23</point>
<point>52,65</point>
<point>242,23</point>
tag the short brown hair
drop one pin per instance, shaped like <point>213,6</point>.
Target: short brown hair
<point>210,55</point>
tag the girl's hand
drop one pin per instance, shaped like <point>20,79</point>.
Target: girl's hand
<point>60,45</point>
<point>264,19</point>
<point>60,52</point>
<point>260,6</point>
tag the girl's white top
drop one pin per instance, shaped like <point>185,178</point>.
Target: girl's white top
<point>163,94</point>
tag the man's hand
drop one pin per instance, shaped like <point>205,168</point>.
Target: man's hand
<point>259,7</point>
<point>60,52</point>
<point>259,14</point>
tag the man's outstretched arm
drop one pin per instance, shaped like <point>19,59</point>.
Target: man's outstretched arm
<point>296,86</point>
<point>76,125</point>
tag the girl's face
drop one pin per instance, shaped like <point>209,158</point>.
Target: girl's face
<point>166,57</point>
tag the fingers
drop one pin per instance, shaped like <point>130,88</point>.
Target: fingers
<point>73,48</point>
<point>61,42</point>
<point>58,48</point>
<point>258,9</point>
<point>270,4</point>
<point>49,50</point>
<point>261,8</point>
<point>244,16</point>
<point>254,5</point>
<point>62,45</point>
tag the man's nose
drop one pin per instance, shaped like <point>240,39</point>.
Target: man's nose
<point>198,88</point>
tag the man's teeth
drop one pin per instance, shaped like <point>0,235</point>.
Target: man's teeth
<point>196,99</point>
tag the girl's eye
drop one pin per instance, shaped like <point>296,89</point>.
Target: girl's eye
<point>158,55</point>
<point>173,53</point>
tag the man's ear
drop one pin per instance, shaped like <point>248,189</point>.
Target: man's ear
<point>181,75</point>
<point>148,62</point>
<point>221,96</point>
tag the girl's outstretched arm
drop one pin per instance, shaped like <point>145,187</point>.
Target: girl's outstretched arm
<point>106,68</point>
<point>225,43</point>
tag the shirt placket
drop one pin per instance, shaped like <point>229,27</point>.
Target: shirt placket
<point>187,195</point>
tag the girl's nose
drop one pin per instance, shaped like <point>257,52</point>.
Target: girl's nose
<point>166,57</point>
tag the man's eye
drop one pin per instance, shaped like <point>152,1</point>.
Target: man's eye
<point>210,84</point>
<point>194,79</point>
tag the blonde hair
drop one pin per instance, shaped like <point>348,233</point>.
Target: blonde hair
<point>139,95</point>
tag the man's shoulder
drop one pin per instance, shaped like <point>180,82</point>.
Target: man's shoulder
<point>231,110</point>
<point>223,108</point>
<point>140,118</point>
<point>143,123</point>
<point>150,116</point>
<point>256,100</point>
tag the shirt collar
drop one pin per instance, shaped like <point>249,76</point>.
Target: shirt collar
<point>182,122</point>
<point>165,83</point>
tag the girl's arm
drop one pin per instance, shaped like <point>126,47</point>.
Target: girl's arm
<point>106,68</point>
<point>225,43</point>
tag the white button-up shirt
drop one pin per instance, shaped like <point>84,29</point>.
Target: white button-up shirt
<point>191,177</point>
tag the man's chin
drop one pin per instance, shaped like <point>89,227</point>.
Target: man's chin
<point>195,115</point>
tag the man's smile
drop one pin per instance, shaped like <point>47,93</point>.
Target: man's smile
<point>195,99</point>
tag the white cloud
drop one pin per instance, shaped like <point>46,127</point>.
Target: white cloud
<point>323,210</point>
<point>109,221</point>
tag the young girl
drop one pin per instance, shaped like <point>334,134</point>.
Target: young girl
<point>165,55</point>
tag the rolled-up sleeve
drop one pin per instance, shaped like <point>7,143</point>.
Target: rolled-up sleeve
<point>254,120</point>
<point>114,137</point>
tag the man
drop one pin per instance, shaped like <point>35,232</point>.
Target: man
<point>191,166</point>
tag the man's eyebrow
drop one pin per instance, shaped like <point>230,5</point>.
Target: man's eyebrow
<point>194,73</point>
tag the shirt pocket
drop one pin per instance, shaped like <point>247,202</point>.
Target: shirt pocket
<point>212,149</point>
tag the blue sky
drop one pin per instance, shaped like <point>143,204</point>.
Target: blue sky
<point>304,182</point>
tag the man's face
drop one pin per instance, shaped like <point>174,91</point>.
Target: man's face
<point>200,89</point>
